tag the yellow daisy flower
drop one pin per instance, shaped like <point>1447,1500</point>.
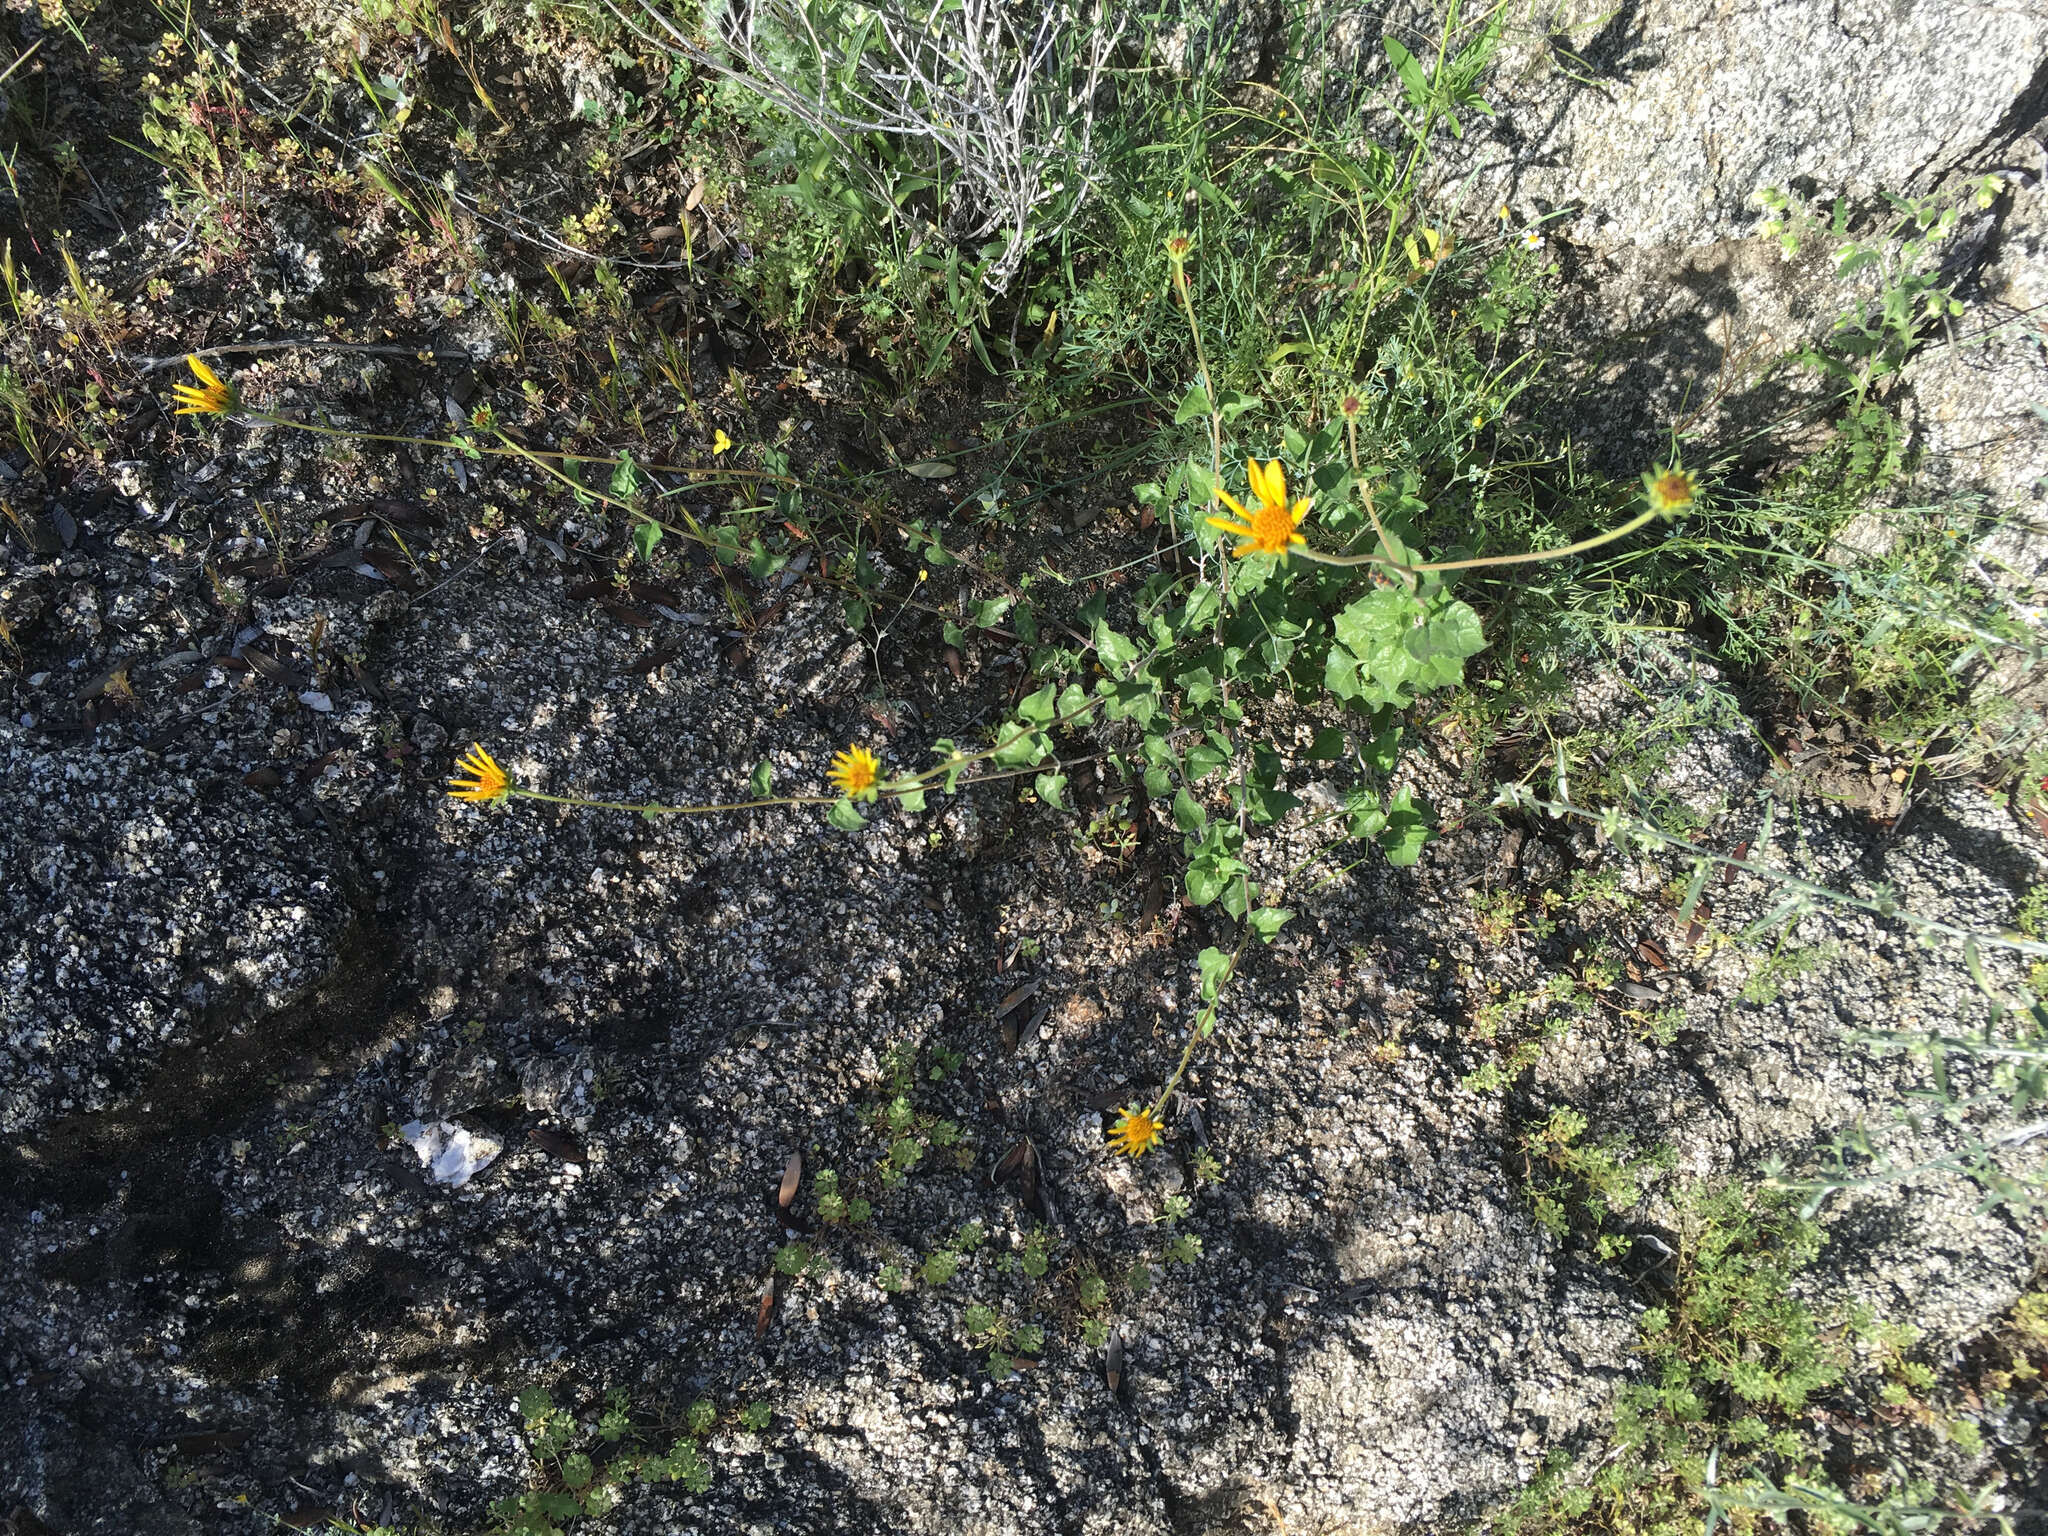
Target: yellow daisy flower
<point>1670,490</point>
<point>211,396</point>
<point>1269,529</point>
<point>854,773</point>
<point>485,782</point>
<point>1135,1132</point>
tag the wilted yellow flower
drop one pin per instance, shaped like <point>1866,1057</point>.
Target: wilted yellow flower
<point>1268,529</point>
<point>720,443</point>
<point>211,396</point>
<point>1135,1132</point>
<point>485,781</point>
<point>854,773</point>
<point>1670,490</point>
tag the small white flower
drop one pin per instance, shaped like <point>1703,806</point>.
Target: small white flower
<point>1531,241</point>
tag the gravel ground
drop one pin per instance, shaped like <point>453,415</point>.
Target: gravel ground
<point>248,943</point>
<point>235,1283</point>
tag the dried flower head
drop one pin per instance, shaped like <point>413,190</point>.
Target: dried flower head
<point>1135,1132</point>
<point>1178,248</point>
<point>854,773</point>
<point>1352,406</point>
<point>481,779</point>
<point>1670,490</point>
<point>211,396</point>
<point>1269,528</point>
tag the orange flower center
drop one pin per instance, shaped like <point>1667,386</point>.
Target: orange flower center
<point>1272,527</point>
<point>1672,489</point>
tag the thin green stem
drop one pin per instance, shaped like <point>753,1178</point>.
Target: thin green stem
<point>1187,307</point>
<point>911,784</point>
<point>1205,1021</point>
<point>654,808</point>
<point>1484,562</point>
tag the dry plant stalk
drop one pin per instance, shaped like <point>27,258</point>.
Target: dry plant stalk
<point>1004,94</point>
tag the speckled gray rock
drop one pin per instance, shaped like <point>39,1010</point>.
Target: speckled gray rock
<point>142,906</point>
<point>1975,393</point>
<point>1638,137</point>
<point>232,1289</point>
<point>1657,123</point>
<point>256,1294</point>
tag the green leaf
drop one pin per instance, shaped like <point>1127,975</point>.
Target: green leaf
<point>845,817</point>
<point>1232,405</point>
<point>1205,881</point>
<point>1215,967</point>
<point>1021,749</point>
<point>1051,787</point>
<point>1266,921</point>
<point>1328,747</point>
<point>1340,673</point>
<point>1116,651</point>
<point>1201,609</point>
<point>1198,686</point>
<point>947,751</point>
<point>1693,888</point>
<point>1188,814</point>
<point>1363,816</point>
<point>1039,708</point>
<point>760,782</point>
<point>1376,619</point>
<point>1135,701</point>
<point>1413,81</point>
<point>1384,750</point>
<point>1203,760</point>
<point>988,614</point>
<point>625,481</point>
<point>1194,406</point>
<point>1407,830</point>
<point>646,534</point>
<point>1442,644</point>
<point>911,799</point>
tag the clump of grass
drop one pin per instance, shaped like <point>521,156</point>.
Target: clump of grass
<point>1724,1426</point>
